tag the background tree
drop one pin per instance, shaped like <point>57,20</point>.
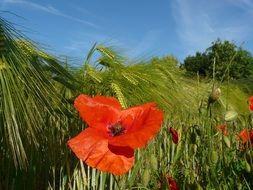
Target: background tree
<point>229,60</point>
<point>197,64</point>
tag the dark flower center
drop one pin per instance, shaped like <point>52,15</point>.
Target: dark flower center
<point>116,129</point>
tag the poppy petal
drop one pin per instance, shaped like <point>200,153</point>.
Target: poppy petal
<point>110,101</point>
<point>251,135</point>
<point>172,183</point>
<point>251,103</point>
<point>95,151</point>
<point>244,135</point>
<point>141,123</point>
<point>97,112</point>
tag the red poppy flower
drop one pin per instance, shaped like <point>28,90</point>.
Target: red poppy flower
<point>222,128</point>
<point>108,143</point>
<point>174,135</point>
<point>172,183</point>
<point>251,103</point>
<point>246,135</point>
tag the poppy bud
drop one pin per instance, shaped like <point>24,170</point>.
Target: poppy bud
<point>214,96</point>
<point>146,177</point>
<point>174,135</point>
<point>153,162</point>
<point>214,157</point>
<point>231,115</point>
<point>251,103</point>
<point>199,187</point>
<point>227,141</point>
<point>247,167</point>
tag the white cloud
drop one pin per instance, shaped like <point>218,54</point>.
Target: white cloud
<point>146,46</point>
<point>49,9</point>
<point>81,42</point>
<point>198,23</point>
<point>245,4</point>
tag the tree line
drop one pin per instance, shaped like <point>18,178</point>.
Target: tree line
<point>220,60</point>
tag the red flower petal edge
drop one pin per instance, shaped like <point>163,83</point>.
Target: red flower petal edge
<point>245,135</point>
<point>172,183</point>
<point>95,151</point>
<point>97,111</point>
<point>251,103</point>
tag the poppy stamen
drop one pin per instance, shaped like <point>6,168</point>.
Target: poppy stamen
<point>116,130</point>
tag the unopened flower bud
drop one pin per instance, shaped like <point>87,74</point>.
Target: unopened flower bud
<point>231,115</point>
<point>214,96</point>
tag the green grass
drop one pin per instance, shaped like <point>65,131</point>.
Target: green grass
<point>37,118</point>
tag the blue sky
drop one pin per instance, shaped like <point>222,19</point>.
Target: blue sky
<point>138,28</point>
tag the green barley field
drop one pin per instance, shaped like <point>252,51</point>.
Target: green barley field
<point>211,117</point>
